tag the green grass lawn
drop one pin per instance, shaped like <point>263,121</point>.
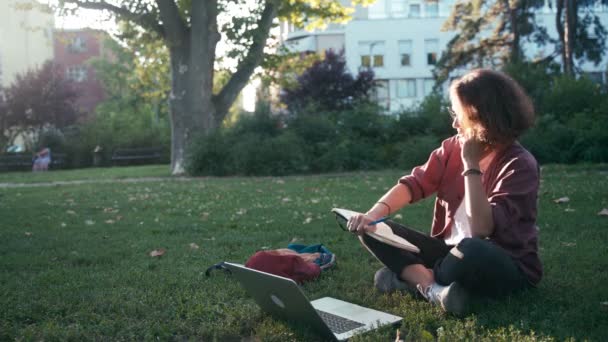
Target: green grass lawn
<point>75,258</point>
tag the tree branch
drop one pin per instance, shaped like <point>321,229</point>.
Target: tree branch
<point>145,20</point>
<point>173,22</point>
<point>228,94</point>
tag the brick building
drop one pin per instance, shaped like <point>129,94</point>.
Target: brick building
<point>73,50</point>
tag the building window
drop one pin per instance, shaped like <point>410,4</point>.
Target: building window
<point>372,54</point>
<point>406,88</point>
<point>405,52</point>
<point>77,73</point>
<point>432,50</point>
<point>77,45</point>
<point>377,10</point>
<point>366,61</point>
<point>398,8</point>
<point>378,61</point>
<point>414,11</point>
<point>381,93</point>
<point>429,83</point>
<point>431,8</point>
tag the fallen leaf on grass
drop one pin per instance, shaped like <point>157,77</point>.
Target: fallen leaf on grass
<point>157,252</point>
<point>562,200</point>
<point>28,234</point>
<point>603,212</point>
<point>110,221</point>
<point>70,212</point>
<point>604,303</point>
<point>194,246</point>
<point>568,244</point>
<point>569,210</point>
<point>89,222</point>
<point>308,220</point>
<point>398,217</point>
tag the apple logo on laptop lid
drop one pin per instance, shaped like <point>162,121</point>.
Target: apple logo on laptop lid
<point>277,301</point>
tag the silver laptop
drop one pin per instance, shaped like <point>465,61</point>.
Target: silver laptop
<point>329,317</point>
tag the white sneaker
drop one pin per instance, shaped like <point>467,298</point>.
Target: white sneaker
<point>386,281</point>
<point>452,298</point>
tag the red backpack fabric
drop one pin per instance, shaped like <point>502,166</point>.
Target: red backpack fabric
<point>283,264</point>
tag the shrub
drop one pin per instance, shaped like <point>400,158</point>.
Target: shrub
<point>277,156</point>
<point>52,138</point>
<point>567,96</point>
<point>415,151</point>
<point>115,129</point>
<point>228,153</point>
<point>582,137</point>
<point>550,141</point>
<point>209,155</point>
<point>430,117</point>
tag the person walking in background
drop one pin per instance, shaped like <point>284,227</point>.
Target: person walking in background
<point>42,159</point>
<point>484,239</point>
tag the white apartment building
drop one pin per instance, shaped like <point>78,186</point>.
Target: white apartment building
<point>401,40</point>
<point>26,37</point>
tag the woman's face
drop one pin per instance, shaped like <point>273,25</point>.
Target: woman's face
<point>456,113</point>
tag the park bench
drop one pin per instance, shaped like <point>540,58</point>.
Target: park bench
<point>128,156</point>
<point>24,161</point>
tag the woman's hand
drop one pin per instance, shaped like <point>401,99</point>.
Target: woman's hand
<point>359,224</point>
<point>472,151</point>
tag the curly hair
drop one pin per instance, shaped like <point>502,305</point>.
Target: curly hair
<point>496,108</point>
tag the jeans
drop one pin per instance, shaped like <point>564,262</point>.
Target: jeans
<point>479,265</point>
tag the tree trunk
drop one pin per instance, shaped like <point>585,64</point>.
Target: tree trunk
<point>513,14</point>
<point>570,30</point>
<point>566,29</point>
<point>193,111</point>
<point>190,105</point>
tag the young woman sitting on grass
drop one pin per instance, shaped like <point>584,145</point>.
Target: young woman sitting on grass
<point>484,239</point>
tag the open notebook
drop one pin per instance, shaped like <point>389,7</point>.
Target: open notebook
<point>383,232</point>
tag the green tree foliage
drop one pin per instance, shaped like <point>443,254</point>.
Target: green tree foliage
<point>581,34</point>
<point>135,86</point>
<point>489,33</point>
<point>190,30</point>
<point>37,99</point>
<point>329,84</point>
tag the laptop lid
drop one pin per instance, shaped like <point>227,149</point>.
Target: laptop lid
<point>279,296</point>
<point>283,298</point>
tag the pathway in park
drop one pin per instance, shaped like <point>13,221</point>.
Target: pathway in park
<point>93,181</point>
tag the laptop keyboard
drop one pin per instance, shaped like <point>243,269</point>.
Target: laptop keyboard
<point>338,324</point>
